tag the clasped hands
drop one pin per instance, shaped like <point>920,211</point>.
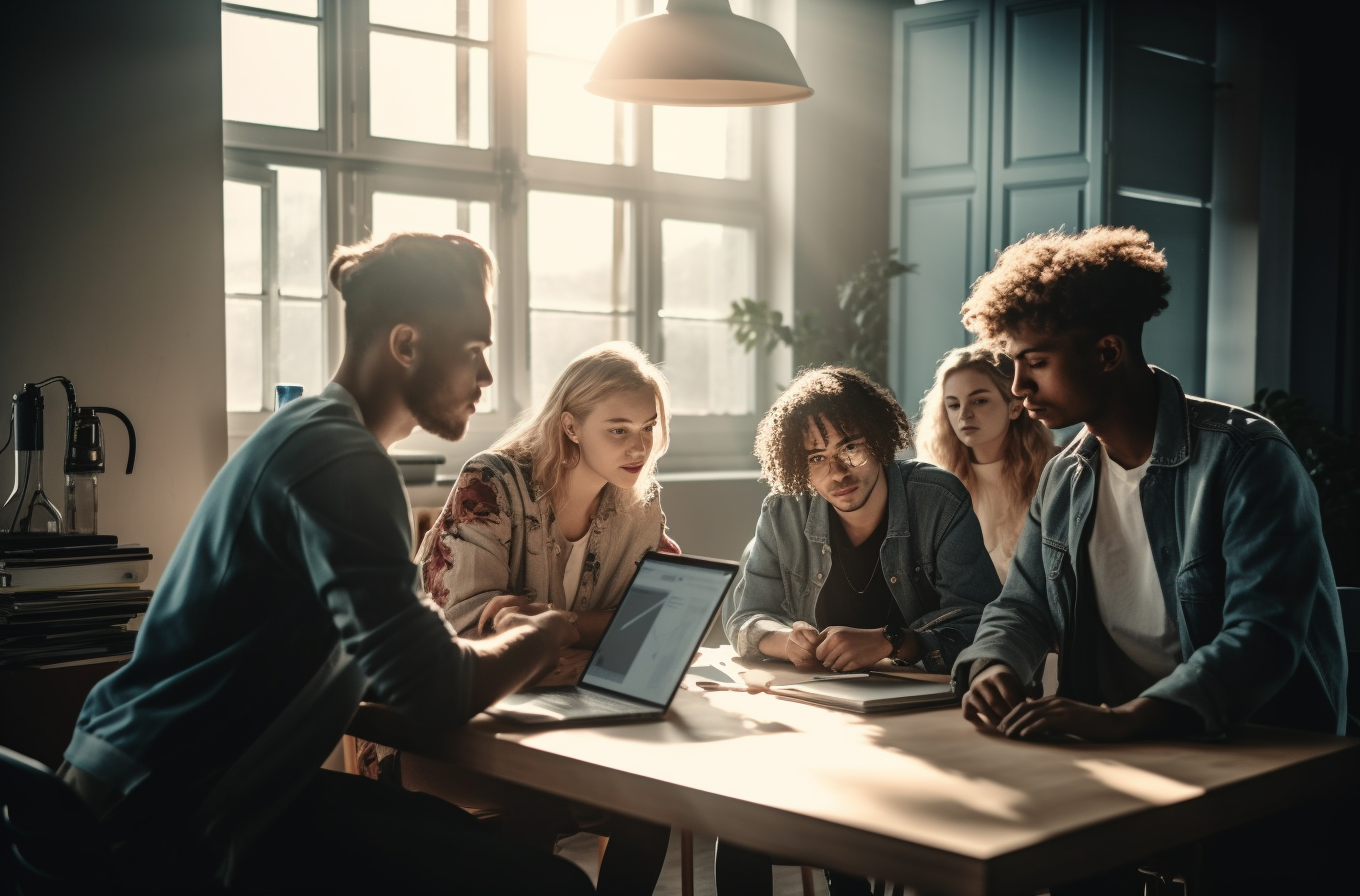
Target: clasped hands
<point>837,648</point>
<point>996,702</point>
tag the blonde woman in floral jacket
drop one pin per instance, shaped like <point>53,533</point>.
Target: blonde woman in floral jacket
<point>555,515</point>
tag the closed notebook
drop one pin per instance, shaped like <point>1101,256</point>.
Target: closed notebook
<point>871,693</point>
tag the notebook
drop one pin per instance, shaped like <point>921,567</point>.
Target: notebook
<point>643,653</point>
<point>868,693</point>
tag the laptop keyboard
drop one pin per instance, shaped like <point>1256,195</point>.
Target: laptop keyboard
<point>589,700</point>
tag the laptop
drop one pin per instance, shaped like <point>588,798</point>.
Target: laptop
<point>644,652</point>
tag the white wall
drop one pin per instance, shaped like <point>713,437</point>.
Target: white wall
<point>113,245</point>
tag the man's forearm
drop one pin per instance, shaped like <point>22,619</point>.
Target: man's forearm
<point>509,660</point>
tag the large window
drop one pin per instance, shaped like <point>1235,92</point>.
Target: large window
<point>610,221</point>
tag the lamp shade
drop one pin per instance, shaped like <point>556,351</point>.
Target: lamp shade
<point>698,53</point>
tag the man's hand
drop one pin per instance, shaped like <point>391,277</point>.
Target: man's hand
<point>486,623</point>
<point>1055,716</point>
<point>801,647</point>
<point>845,649</point>
<point>994,693</point>
<point>559,624</point>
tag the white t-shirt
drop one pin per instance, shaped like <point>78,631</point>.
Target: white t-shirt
<point>1128,592</point>
<point>571,571</point>
<point>989,503</point>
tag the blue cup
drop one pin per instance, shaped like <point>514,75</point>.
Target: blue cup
<point>286,392</point>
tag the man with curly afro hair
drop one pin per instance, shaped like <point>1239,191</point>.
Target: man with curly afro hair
<point>857,557</point>
<point>1173,552</point>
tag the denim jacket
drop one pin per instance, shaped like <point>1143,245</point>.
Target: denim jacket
<point>1232,520</point>
<point>933,558</point>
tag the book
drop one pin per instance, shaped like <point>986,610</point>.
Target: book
<point>70,554</point>
<point>15,541</point>
<point>868,693</point>
<point>114,571</point>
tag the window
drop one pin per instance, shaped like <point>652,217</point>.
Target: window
<point>610,221</point>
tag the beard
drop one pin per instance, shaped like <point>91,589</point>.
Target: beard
<point>435,405</point>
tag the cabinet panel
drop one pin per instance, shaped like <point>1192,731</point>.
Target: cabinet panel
<point>1045,58</point>
<point>1176,338</point>
<point>938,86</point>
<point>938,238</point>
<point>1044,208</point>
<point>1163,127</point>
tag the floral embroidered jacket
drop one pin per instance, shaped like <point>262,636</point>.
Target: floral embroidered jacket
<point>496,535</point>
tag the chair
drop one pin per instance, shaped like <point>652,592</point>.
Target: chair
<point>52,844</point>
<point>1350,627</point>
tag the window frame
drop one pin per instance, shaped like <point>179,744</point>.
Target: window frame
<point>355,165</point>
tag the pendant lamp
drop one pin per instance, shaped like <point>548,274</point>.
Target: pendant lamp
<point>698,53</point>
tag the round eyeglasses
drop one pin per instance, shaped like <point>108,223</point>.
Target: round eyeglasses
<point>850,455</point>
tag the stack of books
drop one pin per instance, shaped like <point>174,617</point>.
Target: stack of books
<point>68,599</point>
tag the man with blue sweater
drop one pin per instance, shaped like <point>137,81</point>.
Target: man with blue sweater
<point>292,595</point>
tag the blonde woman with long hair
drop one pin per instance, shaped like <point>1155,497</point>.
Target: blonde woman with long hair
<point>972,426</point>
<point>555,515</point>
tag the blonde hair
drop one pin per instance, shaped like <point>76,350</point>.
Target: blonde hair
<point>1028,445</point>
<point>593,376</point>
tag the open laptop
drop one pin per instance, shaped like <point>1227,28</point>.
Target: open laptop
<point>643,653</point>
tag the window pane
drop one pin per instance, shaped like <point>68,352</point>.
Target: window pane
<point>705,266</point>
<point>463,18</point>
<point>302,341</point>
<point>707,372</point>
<point>566,122</point>
<point>245,355</point>
<point>243,242</point>
<point>556,337</point>
<point>579,253</point>
<point>301,250</point>
<point>579,29</point>
<point>296,7</point>
<point>702,142</point>
<point>430,214</point>
<point>270,72</point>
<point>415,87</point>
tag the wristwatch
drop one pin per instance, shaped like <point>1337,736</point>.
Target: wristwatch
<point>895,635</point>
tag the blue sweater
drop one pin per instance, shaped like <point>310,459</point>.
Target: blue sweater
<point>291,595</point>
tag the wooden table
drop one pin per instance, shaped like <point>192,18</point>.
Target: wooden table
<point>919,798</point>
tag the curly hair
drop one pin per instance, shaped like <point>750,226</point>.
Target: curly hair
<point>1028,445</point>
<point>1102,280</point>
<point>843,397</point>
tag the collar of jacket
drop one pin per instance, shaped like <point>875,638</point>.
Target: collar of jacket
<point>1171,442</point>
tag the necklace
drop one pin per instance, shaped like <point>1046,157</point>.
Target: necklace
<point>867,582</point>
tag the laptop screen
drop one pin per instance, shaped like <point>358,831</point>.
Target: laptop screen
<point>658,626</point>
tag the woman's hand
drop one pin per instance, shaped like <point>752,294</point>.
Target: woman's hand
<point>846,649</point>
<point>486,623</point>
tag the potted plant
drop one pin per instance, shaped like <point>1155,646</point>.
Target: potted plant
<point>857,337</point>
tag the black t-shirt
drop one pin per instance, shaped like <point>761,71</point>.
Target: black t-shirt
<point>840,601</point>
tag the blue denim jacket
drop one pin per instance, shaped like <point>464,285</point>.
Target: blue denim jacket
<point>1233,523</point>
<point>932,556</point>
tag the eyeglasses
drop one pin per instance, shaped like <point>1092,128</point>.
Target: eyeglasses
<point>850,455</point>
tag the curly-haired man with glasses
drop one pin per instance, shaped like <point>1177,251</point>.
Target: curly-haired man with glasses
<point>858,557</point>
